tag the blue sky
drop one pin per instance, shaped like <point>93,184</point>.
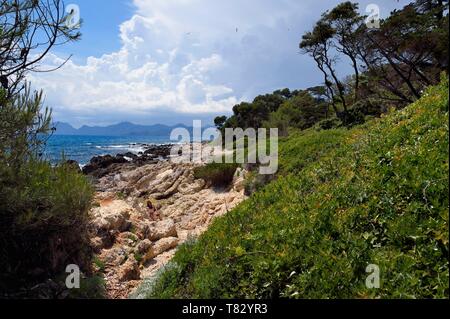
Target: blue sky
<point>101,22</point>
<point>173,61</point>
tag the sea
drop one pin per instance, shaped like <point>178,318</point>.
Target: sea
<point>83,148</point>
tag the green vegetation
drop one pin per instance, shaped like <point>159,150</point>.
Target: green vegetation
<point>374,194</point>
<point>301,111</point>
<point>282,109</point>
<point>392,65</point>
<point>362,179</point>
<point>303,148</point>
<point>43,209</point>
<point>90,288</point>
<point>216,174</point>
<point>138,257</point>
<point>99,264</point>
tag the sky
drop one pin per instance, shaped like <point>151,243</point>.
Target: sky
<point>175,61</point>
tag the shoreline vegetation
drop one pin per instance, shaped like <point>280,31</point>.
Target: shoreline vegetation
<point>362,179</point>
<point>374,194</point>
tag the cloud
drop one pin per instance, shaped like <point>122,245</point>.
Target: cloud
<point>185,59</point>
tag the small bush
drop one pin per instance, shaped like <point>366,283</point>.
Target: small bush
<point>255,182</point>
<point>215,174</point>
<point>371,107</point>
<point>90,288</point>
<point>328,124</point>
<point>43,222</point>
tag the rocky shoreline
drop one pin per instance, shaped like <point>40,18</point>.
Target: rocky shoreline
<point>145,207</point>
<point>101,166</point>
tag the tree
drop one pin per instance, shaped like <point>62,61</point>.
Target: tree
<point>301,111</point>
<point>28,31</point>
<point>43,209</point>
<point>394,63</point>
<point>318,44</point>
<point>252,115</point>
<point>285,93</point>
<point>271,102</point>
<point>410,46</point>
<point>220,121</point>
<point>346,22</point>
<point>321,96</point>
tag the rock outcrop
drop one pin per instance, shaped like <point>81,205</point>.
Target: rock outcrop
<point>101,166</point>
<point>143,213</point>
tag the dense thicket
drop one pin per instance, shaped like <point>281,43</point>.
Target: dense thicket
<point>43,209</point>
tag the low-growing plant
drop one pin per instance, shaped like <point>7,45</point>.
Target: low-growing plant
<point>92,287</point>
<point>138,257</point>
<point>378,194</point>
<point>99,264</point>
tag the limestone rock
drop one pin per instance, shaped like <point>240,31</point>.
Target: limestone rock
<point>165,244</point>
<point>112,216</point>
<point>129,270</point>
<point>115,256</point>
<point>157,230</point>
<point>192,187</point>
<point>127,239</point>
<point>145,249</point>
<point>161,206</point>
<point>97,244</point>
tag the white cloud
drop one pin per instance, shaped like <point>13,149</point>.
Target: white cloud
<point>187,58</point>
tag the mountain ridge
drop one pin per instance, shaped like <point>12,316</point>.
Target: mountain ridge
<point>119,129</point>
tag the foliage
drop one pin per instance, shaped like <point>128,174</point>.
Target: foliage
<point>394,62</point>
<point>304,148</point>
<point>22,127</point>
<point>92,287</point>
<point>252,115</point>
<point>254,182</point>
<point>378,194</point>
<point>43,209</point>
<point>328,124</point>
<point>301,111</point>
<point>44,222</point>
<point>28,30</point>
<point>216,174</point>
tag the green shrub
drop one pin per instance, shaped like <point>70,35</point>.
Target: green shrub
<point>380,197</point>
<point>371,107</point>
<point>44,222</point>
<point>43,209</point>
<point>255,182</point>
<point>216,174</point>
<point>328,124</point>
<point>92,287</point>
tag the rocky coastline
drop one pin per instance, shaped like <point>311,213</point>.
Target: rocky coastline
<point>145,207</point>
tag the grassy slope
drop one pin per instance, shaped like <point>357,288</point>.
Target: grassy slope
<point>377,194</point>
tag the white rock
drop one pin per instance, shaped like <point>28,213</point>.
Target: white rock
<point>157,230</point>
<point>165,244</point>
<point>112,216</point>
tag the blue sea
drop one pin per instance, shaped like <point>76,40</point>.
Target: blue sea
<point>83,148</point>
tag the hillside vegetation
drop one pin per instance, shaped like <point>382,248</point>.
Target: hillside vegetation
<point>374,194</point>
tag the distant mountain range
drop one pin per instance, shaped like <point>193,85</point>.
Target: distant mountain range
<point>121,129</point>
